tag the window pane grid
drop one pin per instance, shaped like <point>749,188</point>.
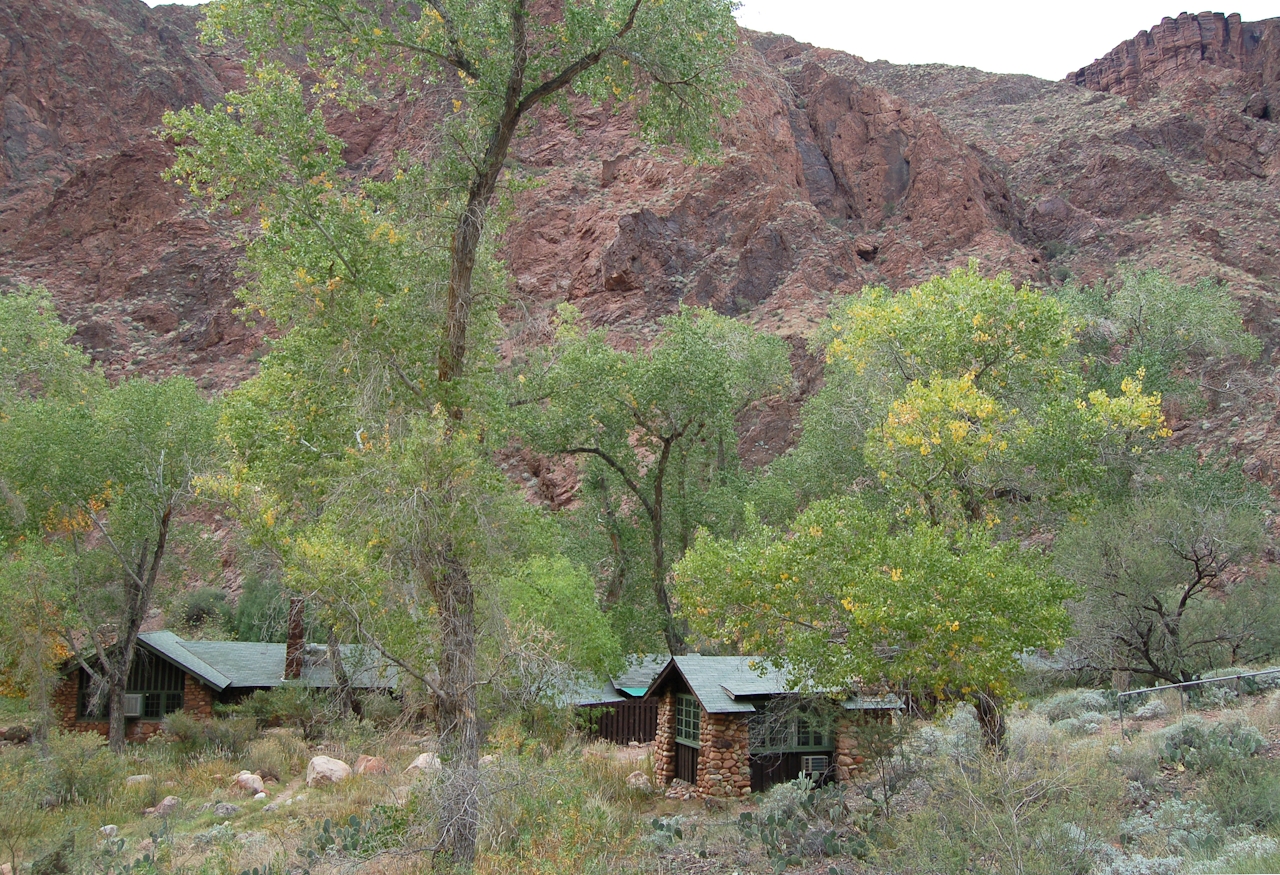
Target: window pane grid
<point>688,721</point>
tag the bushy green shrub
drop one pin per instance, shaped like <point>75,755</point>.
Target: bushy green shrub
<point>1074,703</point>
<point>190,737</point>
<point>203,607</point>
<point>79,768</point>
<point>1088,723</point>
<point>1175,826</point>
<point>292,705</point>
<point>280,755</point>
<point>1203,745</point>
<point>798,820</point>
<point>1246,793</point>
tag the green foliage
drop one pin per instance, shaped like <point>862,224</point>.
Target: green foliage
<point>190,737</point>
<point>943,614</point>
<point>1165,327</point>
<point>198,608</point>
<point>964,398</point>
<point>79,768</point>
<point>1158,597</point>
<point>37,359</point>
<point>291,705</point>
<point>671,64</point>
<point>656,426</point>
<point>1245,792</point>
<point>560,597</point>
<point>797,820</point>
<point>1204,745</point>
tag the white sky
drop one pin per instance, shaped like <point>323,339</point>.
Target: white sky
<point>1002,36</point>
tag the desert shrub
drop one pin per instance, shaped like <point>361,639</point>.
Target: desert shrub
<point>79,768</point>
<point>381,710</point>
<point>1202,745</point>
<point>1039,814</point>
<point>291,705</point>
<point>1074,703</point>
<point>1026,732</point>
<point>1088,723</point>
<point>1245,793</point>
<point>22,819</point>
<point>553,812</point>
<point>1152,710</point>
<point>202,607</point>
<point>1213,697</point>
<point>279,755</point>
<point>1251,854</point>
<point>190,737</point>
<point>1175,826</point>
<point>958,736</point>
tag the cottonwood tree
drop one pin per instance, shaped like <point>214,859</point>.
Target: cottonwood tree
<point>387,285</point>
<point>968,400</point>
<point>1144,319</point>
<point>847,597</point>
<point>1166,587</point>
<point>93,476</point>
<point>658,423</point>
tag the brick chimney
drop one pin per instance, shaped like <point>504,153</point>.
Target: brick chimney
<point>295,644</point>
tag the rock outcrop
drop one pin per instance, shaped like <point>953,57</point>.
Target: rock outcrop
<point>836,173</point>
<point>1182,45</point>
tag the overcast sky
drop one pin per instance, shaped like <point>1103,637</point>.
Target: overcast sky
<point>1003,36</point>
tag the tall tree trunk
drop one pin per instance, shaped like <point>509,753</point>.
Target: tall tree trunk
<point>454,595</point>
<point>341,682</point>
<point>991,719</point>
<point>115,711</point>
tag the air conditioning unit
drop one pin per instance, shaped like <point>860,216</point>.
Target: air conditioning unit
<point>814,766</point>
<point>133,704</point>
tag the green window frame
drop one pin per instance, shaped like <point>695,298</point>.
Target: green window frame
<point>160,683</point>
<point>795,733</point>
<point>688,721</point>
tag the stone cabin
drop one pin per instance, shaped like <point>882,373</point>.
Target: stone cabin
<point>170,674</point>
<point>730,725</point>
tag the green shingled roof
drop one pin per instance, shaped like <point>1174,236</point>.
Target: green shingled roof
<point>727,684</point>
<point>247,664</point>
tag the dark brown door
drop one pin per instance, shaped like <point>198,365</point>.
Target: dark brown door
<point>686,763</point>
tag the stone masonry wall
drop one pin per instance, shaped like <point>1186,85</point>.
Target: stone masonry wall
<point>724,767</point>
<point>664,743</point>
<point>850,757</point>
<point>197,699</point>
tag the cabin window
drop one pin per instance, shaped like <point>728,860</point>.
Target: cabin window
<point>158,681</point>
<point>781,729</point>
<point>688,721</point>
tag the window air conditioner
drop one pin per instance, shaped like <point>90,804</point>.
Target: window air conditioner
<point>133,704</point>
<point>814,765</point>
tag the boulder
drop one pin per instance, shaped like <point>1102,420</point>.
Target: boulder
<point>226,809</point>
<point>638,780</point>
<point>109,831</point>
<point>488,760</point>
<point>258,797</point>
<point>168,805</point>
<point>326,770</point>
<point>135,780</point>
<point>17,734</point>
<point>367,765</point>
<point>250,782</point>
<point>427,763</point>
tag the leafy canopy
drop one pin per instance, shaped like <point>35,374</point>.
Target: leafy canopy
<point>847,597</point>
<point>965,394</point>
